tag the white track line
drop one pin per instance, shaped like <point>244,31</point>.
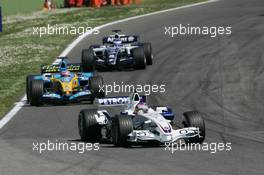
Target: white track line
<point>22,102</point>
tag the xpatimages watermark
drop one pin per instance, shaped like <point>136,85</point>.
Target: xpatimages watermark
<point>0,19</point>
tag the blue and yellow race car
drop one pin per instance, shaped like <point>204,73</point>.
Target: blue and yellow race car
<point>64,82</point>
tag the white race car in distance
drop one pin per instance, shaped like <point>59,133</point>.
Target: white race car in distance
<point>138,123</point>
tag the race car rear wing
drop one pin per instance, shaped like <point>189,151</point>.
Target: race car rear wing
<point>74,67</point>
<point>125,39</point>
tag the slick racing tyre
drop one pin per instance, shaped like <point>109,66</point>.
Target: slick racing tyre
<point>89,129</point>
<point>96,84</point>
<point>28,89</point>
<point>121,127</point>
<point>195,119</point>
<point>36,92</point>
<point>139,57</point>
<point>88,60</point>
<point>148,53</point>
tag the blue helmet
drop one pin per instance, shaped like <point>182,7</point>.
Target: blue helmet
<point>63,66</point>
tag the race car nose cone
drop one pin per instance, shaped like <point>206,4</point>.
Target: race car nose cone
<point>166,129</point>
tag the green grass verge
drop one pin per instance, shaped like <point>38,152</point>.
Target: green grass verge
<point>10,7</point>
<point>22,53</point>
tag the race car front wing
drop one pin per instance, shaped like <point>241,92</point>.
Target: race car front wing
<point>147,135</point>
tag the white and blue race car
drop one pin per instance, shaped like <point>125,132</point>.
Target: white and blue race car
<point>138,123</point>
<point>119,51</point>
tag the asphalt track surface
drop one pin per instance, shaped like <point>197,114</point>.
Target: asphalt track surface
<point>222,77</point>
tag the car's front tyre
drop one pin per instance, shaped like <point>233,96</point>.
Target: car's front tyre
<point>28,88</point>
<point>96,84</point>
<point>121,127</point>
<point>148,53</point>
<point>139,57</point>
<point>36,92</point>
<point>88,60</point>
<point>195,119</point>
<point>89,129</point>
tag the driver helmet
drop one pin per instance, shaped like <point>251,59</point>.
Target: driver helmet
<point>141,107</point>
<point>65,73</point>
<point>117,41</point>
<point>117,36</point>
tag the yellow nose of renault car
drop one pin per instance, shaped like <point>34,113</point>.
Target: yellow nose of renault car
<point>67,85</point>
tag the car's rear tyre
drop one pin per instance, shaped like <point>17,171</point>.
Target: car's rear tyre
<point>139,57</point>
<point>89,129</point>
<point>28,89</point>
<point>36,92</point>
<point>148,53</point>
<point>121,127</point>
<point>88,60</point>
<point>96,84</point>
<point>195,119</point>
